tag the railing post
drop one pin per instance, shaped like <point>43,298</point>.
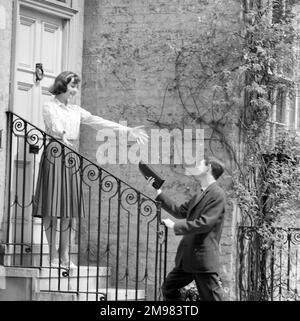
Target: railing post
<point>272,266</point>
<point>23,192</point>
<point>80,208</point>
<point>166,254</point>
<point>137,246</point>
<point>9,158</point>
<point>9,164</point>
<point>99,235</point>
<point>118,239</point>
<point>289,258</point>
<point>160,273</point>
<point>158,219</point>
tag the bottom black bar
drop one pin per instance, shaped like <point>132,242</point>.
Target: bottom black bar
<point>146,310</point>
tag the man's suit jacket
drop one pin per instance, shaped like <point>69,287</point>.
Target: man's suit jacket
<point>198,251</point>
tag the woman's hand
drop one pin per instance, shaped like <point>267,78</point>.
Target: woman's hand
<point>139,134</point>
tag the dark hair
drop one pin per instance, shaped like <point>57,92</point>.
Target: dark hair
<point>217,167</point>
<point>61,82</point>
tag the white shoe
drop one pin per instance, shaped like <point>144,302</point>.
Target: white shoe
<point>54,263</point>
<point>69,265</point>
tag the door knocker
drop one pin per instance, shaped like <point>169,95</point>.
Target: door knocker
<point>39,72</point>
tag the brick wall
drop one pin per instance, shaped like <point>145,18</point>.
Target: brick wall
<point>128,71</point>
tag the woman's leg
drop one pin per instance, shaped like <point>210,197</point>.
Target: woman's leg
<point>50,225</point>
<point>65,234</point>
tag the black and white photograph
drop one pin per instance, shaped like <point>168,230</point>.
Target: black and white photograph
<point>149,154</point>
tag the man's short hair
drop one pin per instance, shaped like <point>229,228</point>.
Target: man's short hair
<point>217,167</point>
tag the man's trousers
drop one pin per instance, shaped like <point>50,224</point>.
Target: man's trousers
<point>208,284</point>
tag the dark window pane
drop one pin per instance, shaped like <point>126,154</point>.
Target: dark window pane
<point>280,107</point>
<point>292,112</point>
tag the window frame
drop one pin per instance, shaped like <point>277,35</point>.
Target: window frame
<point>58,3</point>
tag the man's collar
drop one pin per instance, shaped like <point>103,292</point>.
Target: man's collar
<point>206,187</point>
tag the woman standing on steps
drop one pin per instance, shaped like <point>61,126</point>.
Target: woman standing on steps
<point>58,194</point>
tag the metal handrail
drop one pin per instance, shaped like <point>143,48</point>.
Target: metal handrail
<point>118,219</point>
<point>268,267</point>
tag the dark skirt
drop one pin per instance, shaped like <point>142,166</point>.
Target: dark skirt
<point>58,191</point>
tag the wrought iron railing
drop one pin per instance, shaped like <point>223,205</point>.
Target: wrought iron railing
<point>268,267</point>
<point>117,242</point>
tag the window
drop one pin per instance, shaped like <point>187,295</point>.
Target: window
<point>279,110</point>
<point>278,117</point>
<point>285,113</point>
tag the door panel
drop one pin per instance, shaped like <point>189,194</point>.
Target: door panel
<point>39,40</point>
<point>51,44</point>
<point>27,37</point>
<point>24,97</point>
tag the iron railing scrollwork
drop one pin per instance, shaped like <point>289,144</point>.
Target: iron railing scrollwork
<point>268,268</point>
<point>118,243</point>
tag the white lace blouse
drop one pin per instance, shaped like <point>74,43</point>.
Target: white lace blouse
<point>59,117</point>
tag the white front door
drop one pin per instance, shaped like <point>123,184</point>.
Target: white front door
<point>39,40</point>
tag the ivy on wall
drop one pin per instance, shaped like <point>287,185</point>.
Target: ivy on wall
<point>229,83</point>
<point>228,78</point>
<point>267,183</point>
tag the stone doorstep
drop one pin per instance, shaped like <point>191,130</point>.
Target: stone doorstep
<point>65,296</point>
<point>123,294</point>
<point>84,271</point>
<point>20,283</point>
<point>54,296</point>
<point>2,278</point>
<point>36,249</point>
<point>32,258</point>
<point>14,272</point>
<point>21,272</point>
<point>54,278</point>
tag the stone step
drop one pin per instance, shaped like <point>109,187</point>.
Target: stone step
<point>20,284</point>
<point>2,277</point>
<point>122,295</point>
<point>54,296</point>
<point>27,284</point>
<point>33,248</point>
<point>30,255</point>
<point>82,279</point>
<point>102,295</point>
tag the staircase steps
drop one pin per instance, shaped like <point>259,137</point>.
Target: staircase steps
<point>122,295</point>
<point>60,279</point>
<point>54,296</point>
<point>33,255</point>
<point>30,282</point>
<point>103,294</point>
